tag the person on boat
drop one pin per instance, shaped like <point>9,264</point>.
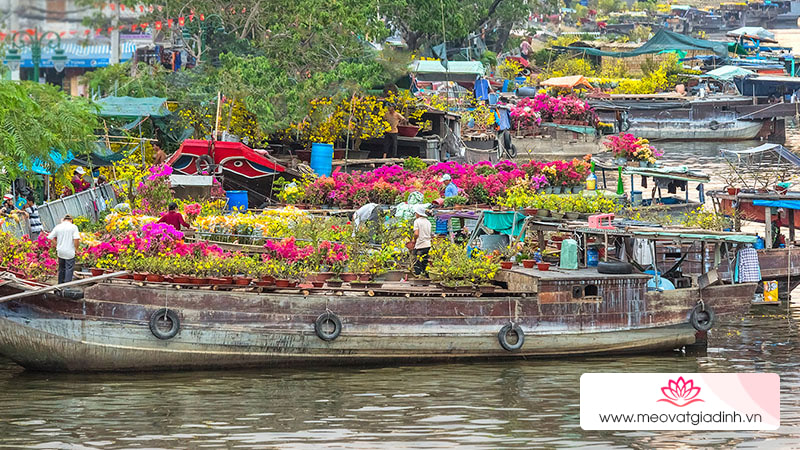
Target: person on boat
<point>78,183</point>
<point>421,240</point>
<point>8,205</point>
<point>525,47</point>
<point>390,137</point>
<point>450,188</point>
<point>34,220</point>
<point>160,157</point>
<point>67,239</point>
<point>174,218</point>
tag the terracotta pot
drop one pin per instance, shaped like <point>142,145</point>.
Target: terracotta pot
<point>155,278</point>
<point>530,211</point>
<point>348,277</point>
<point>218,281</point>
<point>292,284</point>
<point>199,281</point>
<point>96,272</point>
<point>140,276</point>
<point>181,279</point>
<point>243,281</point>
<point>334,283</point>
<point>543,266</point>
<point>506,264</point>
<point>168,279</point>
<point>318,284</point>
<point>733,191</point>
<point>125,277</point>
<point>364,276</point>
<point>458,207</point>
<point>227,280</point>
<point>394,275</point>
<point>263,283</point>
<point>528,263</point>
<point>282,283</point>
<point>268,279</point>
<point>324,276</point>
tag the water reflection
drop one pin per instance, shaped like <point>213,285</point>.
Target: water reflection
<point>482,405</point>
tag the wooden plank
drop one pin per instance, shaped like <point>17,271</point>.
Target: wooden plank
<point>709,278</point>
<point>89,280</point>
<point>768,227</point>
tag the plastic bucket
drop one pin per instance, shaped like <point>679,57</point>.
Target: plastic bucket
<point>759,244</point>
<point>493,99</point>
<point>322,159</point>
<point>636,198</point>
<point>237,199</point>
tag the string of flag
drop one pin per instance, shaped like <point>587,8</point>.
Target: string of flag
<point>158,25</point>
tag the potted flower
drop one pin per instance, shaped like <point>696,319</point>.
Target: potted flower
<point>455,202</point>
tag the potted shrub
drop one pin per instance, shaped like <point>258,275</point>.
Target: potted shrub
<point>334,282</point>
<point>455,202</point>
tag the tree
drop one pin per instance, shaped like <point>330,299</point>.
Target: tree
<point>38,118</point>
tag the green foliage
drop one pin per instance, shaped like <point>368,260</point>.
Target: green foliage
<point>414,164</point>
<point>640,33</point>
<point>35,118</point>
<point>565,65</point>
<point>609,6</point>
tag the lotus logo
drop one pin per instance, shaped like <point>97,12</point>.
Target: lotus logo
<point>680,392</point>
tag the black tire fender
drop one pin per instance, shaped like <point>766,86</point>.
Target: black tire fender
<point>320,329</point>
<point>502,337</point>
<point>714,125</point>
<point>702,318</point>
<point>614,267</point>
<point>204,163</point>
<point>168,315</point>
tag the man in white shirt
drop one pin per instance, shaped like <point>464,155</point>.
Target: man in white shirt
<point>67,239</point>
<point>422,240</point>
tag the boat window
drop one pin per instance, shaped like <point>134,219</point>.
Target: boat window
<point>590,290</point>
<point>577,291</point>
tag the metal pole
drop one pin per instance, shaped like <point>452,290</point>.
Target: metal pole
<point>115,37</point>
<point>36,54</point>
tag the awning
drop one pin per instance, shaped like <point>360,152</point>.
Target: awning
<point>570,82</point>
<point>682,173</point>
<point>81,55</point>
<point>428,70</point>
<point>729,72</point>
<point>755,33</point>
<point>132,107</point>
<point>663,40</point>
<point>769,154</point>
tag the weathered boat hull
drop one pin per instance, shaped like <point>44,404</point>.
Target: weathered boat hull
<point>694,131</point>
<point>109,330</point>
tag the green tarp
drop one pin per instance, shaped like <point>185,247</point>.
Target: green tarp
<point>133,107</point>
<point>510,222</point>
<point>663,40</point>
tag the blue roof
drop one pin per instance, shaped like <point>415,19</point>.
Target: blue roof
<point>82,55</point>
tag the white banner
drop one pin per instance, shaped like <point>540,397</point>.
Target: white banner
<point>680,401</point>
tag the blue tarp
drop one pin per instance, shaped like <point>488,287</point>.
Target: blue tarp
<point>787,204</point>
<point>58,160</point>
<point>86,56</point>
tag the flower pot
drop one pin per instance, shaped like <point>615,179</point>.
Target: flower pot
<point>324,276</point>
<point>218,281</point>
<point>543,213</point>
<point>318,284</point>
<point>358,284</point>
<point>643,164</point>
<point>733,191</point>
<point>458,207</point>
<point>530,211</point>
<point>282,283</point>
<point>506,264</point>
<point>181,279</point>
<point>394,275</point>
<point>543,266</point>
<point>96,272</point>
<point>199,281</point>
<point>528,263</point>
<point>557,214</point>
<point>364,276</point>
<point>334,284</point>
<point>268,279</point>
<point>407,130</point>
<point>127,276</point>
<point>556,189</point>
<point>348,277</point>
<point>420,281</point>
<point>154,278</point>
<point>227,280</point>
<point>140,276</point>
<point>374,285</point>
<point>486,288</point>
<point>620,161</point>
<point>548,190</point>
<point>243,281</point>
<point>572,215</point>
<point>577,189</point>
<point>338,153</point>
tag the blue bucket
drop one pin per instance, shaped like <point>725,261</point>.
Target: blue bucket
<point>592,257</point>
<point>493,99</point>
<point>759,244</point>
<point>237,199</point>
<point>322,159</point>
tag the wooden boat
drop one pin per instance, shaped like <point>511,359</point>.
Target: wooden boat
<point>120,325</point>
<point>687,130</point>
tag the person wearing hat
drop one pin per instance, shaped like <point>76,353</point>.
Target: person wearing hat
<point>78,183</point>
<point>421,240</point>
<point>390,137</point>
<point>8,205</point>
<point>67,239</point>
<point>450,188</point>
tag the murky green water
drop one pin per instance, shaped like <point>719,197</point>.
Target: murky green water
<point>532,403</point>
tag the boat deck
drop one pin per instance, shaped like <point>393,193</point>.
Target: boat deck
<point>578,274</point>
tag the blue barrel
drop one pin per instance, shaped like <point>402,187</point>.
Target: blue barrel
<point>592,256</point>
<point>759,244</point>
<point>322,159</point>
<point>237,199</point>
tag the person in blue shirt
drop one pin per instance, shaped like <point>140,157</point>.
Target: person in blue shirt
<point>450,189</point>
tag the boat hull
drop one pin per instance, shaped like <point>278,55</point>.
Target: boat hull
<point>688,131</point>
<point>242,330</point>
